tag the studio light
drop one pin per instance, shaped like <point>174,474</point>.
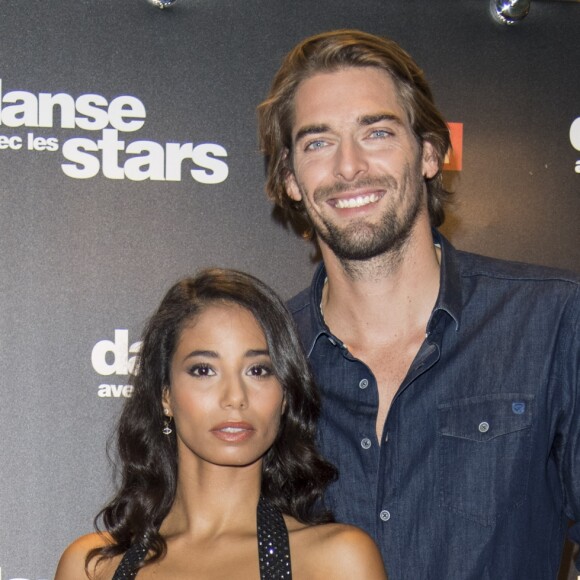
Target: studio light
<point>509,11</point>
<point>162,3</point>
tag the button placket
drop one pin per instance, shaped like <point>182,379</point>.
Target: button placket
<point>385,515</point>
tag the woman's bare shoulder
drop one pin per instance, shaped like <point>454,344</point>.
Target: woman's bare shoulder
<point>335,551</point>
<point>72,562</point>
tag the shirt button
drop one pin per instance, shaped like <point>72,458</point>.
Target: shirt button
<point>363,384</point>
<point>483,427</point>
<point>385,516</point>
<point>365,443</point>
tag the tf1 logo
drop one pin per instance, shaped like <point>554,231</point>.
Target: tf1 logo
<point>575,139</point>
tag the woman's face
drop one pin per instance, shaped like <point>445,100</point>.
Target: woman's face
<point>223,395</point>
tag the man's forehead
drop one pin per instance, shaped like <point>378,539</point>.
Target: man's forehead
<point>353,94</point>
<point>349,76</point>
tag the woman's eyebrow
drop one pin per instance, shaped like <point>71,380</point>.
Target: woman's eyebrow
<point>204,353</point>
<point>257,352</point>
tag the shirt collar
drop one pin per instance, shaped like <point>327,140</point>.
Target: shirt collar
<point>448,300</point>
<point>317,325</point>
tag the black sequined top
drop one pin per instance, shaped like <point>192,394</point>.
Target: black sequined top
<point>273,548</point>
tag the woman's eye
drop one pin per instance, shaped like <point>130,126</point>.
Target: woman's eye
<point>260,371</point>
<point>201,371</point>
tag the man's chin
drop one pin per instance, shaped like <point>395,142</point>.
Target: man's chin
<point>364,244</point>
<point>358,250</point>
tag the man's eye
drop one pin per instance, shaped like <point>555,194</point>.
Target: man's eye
<point>201,370</point>
<point>380,133</point>
<point>313,145</point>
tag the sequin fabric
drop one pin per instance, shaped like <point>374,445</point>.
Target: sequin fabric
<point>273,548</point>
<point>128,567</point>
<point>273,544</point>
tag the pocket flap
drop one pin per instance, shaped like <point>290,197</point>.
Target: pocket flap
<point>486,417</point>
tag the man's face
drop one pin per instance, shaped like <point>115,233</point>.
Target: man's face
<point>356,164</point>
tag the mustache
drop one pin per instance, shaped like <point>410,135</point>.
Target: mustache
<point>324,192</point>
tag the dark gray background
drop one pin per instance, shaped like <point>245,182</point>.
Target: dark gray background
<point>81,258</point>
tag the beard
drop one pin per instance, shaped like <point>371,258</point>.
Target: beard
<point>360,240</point>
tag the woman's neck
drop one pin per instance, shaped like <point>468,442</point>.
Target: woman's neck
<point>211,500</point>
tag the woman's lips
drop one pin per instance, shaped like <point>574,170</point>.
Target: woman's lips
<point>233,432</point>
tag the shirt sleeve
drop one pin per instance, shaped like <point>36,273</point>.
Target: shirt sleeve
<point>571,463</point>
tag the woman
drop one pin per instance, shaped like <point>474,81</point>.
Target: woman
<point>220,476</point>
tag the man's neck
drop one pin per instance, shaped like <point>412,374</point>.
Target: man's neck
<point>385,297</point>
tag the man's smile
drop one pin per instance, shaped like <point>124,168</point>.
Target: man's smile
<point>357,201</point>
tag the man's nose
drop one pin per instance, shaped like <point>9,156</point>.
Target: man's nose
<point>351,161</point>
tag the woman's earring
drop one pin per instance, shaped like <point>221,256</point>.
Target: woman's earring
<point>167,430</point>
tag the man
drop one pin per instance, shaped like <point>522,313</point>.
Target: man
<point>450,381</point>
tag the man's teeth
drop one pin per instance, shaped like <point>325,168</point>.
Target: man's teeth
<point>358,201</point>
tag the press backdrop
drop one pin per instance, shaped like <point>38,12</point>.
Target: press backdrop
<point>147,169</point>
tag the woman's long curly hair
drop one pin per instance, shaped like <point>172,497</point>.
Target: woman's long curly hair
<point>294,475</point>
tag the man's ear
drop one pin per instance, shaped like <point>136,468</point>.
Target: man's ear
<point>292,189</point>
<point>429,162</point>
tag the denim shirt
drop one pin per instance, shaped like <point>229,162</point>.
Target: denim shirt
<point>478,470</point>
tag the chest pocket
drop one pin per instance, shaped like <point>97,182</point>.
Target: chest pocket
<point>484,454</point>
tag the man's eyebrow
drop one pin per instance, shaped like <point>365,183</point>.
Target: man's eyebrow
<point>365,120</point>
<point>372,119</point>
<point>310,130</point>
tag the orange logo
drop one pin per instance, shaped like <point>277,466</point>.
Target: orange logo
<point>454,158</point>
